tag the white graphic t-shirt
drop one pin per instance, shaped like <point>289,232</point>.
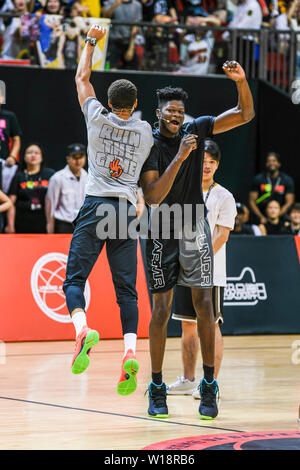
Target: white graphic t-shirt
<point>221,210</point>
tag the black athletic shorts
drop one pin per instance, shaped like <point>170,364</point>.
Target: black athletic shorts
<point>187,261</point>
<point>183,308</point>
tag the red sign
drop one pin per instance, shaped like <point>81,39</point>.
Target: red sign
<point>33,305</point>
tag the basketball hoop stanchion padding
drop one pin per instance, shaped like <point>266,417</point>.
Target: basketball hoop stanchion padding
<point>32,271</point>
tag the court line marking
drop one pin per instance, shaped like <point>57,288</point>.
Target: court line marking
<point>140,351</point>
<point>109,413</point>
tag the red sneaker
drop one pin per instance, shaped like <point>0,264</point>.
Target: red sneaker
<point>84,342</point>
<point>130,366</point>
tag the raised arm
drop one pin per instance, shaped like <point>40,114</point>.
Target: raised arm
<point>244,111</point>
<point>84,69</point>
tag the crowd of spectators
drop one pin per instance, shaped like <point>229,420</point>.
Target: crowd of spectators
<point>148,48</point>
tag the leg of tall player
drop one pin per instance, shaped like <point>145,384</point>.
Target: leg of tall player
<point>202,301</point>
<point>161,311</point>
<point>187,384</point>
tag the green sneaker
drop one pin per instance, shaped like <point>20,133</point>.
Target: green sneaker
<point>84,342</point>
<point>130,366</point>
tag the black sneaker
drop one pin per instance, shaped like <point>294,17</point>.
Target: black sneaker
<point>208,408</point>
<point>158,401</point>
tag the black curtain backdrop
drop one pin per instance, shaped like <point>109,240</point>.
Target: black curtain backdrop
<point>46,104</point>
<point>47,107</point>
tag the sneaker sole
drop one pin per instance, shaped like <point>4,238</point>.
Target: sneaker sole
<point>82,360</point>
<point>126,387</point>
<point>158,416</point>
<point>206,417</point>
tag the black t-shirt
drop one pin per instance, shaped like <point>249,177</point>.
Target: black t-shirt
<point>245,230</point>
<point>272,188</point>
<point>30,204</point>
<point>9,127</point>
<point>187,186</point>
<point>289,230</point>
<point>275,229</point>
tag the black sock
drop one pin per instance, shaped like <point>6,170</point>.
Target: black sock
<point>208,373</point>
<point>157,378</point>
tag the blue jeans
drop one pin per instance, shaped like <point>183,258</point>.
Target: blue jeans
<point>85,249</point>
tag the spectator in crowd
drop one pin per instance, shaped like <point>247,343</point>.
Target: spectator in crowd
<point>274,224</point>
<point>120,36</point>
<point>10,135</point>
<point>27,192</point>
<point>14,39</point>
<point>199,46</point>
<point>159,11</point>
<point>161,45</point>
<point>271,184</point>
<point>5,205</point>
<point>293,226</point>
<point>6,6</point>
<point>66,191</point>
<point>48,22</point>
<point>69,46</point>
<point>248,15</point>
<point>294,23</point>
<point>10,142</point>
<point>241,227</point>
<point>207,12</point>
<point>87,8</point>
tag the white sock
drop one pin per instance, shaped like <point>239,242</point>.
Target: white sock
<point>129,342</point>
<point>79,321</point>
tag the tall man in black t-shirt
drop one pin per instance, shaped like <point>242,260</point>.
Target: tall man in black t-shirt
<point>172,175</point>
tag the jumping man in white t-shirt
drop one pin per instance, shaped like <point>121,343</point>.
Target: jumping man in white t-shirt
<point>221,212</point>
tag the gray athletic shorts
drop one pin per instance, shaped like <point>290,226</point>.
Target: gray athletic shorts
<point>187,261</point>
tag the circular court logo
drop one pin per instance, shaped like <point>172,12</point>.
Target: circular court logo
<point>266,440</point>
<point>47,279</point>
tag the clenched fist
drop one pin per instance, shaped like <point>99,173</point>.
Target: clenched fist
<point>187,145</point>
<point>234,71</point>
<point>97,32</point>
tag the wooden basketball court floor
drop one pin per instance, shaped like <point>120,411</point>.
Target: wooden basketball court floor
<point>45,407</point>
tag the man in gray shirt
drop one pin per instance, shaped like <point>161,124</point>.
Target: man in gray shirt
<point>118,145</point>
<point>127,11</point>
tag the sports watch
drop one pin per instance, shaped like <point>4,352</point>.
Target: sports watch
<point>91,40</point>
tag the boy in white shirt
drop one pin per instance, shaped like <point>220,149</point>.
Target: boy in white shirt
<point>221,213</point>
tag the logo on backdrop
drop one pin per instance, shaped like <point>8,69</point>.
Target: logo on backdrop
<point>243,290</point>
<point>47,277</point>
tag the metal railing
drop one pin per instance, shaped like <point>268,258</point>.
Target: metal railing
<point>265,53</point>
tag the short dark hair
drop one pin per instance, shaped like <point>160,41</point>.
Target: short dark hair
<point>213,149</point>
<point>295,207</point>
<point>272,200</point>
<point>22,163</point>
<point>122,94</point>
<point>169,94</point>
<point>274,154</point>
